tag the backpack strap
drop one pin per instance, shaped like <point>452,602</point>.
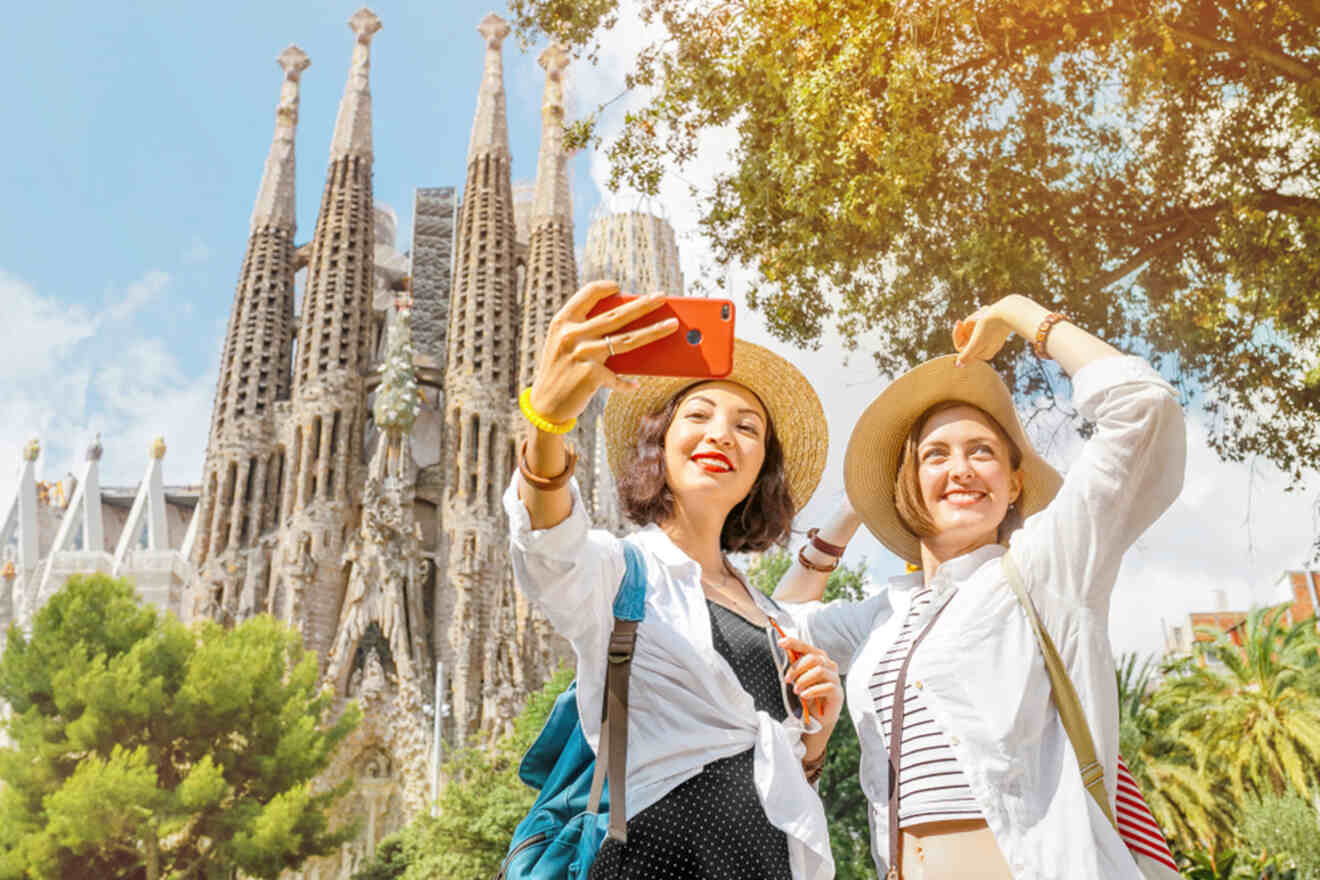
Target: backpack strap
<point>1064,696</point>
<point>629,608</point>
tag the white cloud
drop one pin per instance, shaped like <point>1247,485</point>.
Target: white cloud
<point>1205,542</point>
<point>36,330</point>
<point>69,375</point>
<point>138,294</point>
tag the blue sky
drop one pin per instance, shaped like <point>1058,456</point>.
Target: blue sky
<point>135,136</point>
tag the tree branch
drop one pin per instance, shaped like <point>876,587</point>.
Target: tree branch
<point>1290,67</point>
<point>1145,255</point>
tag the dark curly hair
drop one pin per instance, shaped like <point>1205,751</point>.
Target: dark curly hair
<point>757,522</point>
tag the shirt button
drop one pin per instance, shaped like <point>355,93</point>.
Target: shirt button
<point>953,740</point>
<point>919,685</point>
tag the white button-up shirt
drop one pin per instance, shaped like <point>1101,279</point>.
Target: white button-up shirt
<point>981,674</point>
<point>685,705</point>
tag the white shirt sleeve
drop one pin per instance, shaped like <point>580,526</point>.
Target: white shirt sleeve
<point>1128,473</point>
<point>570,572</point>
<point>841,627</point>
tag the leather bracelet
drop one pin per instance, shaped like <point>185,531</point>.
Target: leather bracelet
<point>813,769</point>
<point>546,484</point>
<point>540,421</point>
<point>807,563</point>
<point>835,550</point>
<point>1042,333</point>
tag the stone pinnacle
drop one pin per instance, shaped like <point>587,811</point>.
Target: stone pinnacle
<point>293,61</point>
<point>494,29</point>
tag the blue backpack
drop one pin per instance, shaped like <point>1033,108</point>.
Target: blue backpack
<point>565,828</point>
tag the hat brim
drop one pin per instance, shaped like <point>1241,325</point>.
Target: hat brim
<point>795,412</point>
<point>870,466</point>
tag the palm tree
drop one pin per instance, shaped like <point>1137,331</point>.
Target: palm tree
<point>1165,769</point>
<point>1251,713</point>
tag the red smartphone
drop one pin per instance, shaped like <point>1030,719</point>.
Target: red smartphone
<point>701,347</point>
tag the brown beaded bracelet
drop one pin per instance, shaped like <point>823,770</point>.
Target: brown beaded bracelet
<point>1042,333</point>
<point>546,484</point>
<point>807,563</point>
<point>825,547</point>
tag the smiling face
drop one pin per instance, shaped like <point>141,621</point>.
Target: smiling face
<point>966,479</point>
<point>715,445</point>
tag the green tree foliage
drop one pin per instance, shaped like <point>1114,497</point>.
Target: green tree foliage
<point>145,749</point>
<point>1181,798</point>
<point>840,785</point>
<point>1147,167</point>
<point>1288,826</point>
<point>479,806</point>
<point>1251,713</point>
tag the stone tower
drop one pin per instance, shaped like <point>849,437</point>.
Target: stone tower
<point>551,274</point>
<point>636,249</point>
<point>326,425</point>
<point>244,465</point>
<point>480,376</point>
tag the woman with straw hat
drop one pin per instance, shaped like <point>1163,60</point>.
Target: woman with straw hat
<point>719,749</point>
<point>946,685</point>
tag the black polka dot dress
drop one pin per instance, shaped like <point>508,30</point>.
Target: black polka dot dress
<point>711,827</point>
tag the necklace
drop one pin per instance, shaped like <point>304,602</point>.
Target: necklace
<point>738,601</point>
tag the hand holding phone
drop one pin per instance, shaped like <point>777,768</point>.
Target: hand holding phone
<point>701,347</point>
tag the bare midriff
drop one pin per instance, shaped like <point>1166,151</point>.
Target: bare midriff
<point>961,848</point>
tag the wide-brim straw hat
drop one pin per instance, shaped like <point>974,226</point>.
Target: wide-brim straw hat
<point>870,465</point>
<point>796,415</point>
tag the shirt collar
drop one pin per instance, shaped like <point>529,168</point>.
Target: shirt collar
<point>953,570</point>
<point>961,567</point>
<point>654,539</point>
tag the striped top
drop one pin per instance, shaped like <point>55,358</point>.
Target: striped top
<point>932,787</point>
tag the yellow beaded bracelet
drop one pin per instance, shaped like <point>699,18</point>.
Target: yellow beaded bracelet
<point>540,422</point>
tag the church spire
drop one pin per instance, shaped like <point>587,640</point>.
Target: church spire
<point>240,487</point>
<point>336,335</point>
<point>490,127</point>
<point>275,204</point>
<point>553,200</point>
<point>551,276</point>
<point>353,124</point>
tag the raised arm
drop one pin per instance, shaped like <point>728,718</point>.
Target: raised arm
<point>983,333</point>
<point>1128,472</point>
<point>806,583</point>
<point>570,370</point>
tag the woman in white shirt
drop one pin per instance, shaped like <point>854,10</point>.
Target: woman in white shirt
<point>718,751</point>
<point>941,471</point>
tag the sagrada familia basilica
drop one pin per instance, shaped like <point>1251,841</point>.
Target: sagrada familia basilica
<point>359,443</point>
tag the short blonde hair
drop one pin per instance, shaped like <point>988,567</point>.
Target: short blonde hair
<point>911,506</point>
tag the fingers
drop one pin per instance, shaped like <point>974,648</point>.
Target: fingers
<point>971,350</point>
<point>622,342</point>
<point>962,332</point>
<point>615,382</point>
<point>619,316</point>
<point>581,302</point>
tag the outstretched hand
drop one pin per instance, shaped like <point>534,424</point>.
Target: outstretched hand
<point>980,335</point>
<point>572,361</point>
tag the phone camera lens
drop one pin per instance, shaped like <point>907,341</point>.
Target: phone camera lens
<point>724,311</point>
<point>694,337</point>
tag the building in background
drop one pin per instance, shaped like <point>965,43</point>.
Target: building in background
<point>361,439</point>
<point>1298,591</point>
<point>636,249</point>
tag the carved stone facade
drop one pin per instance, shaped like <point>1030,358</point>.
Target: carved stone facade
<point>636,249</point>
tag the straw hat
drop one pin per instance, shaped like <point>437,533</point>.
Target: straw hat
<point>870,465</point>
<point>795,413</point>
